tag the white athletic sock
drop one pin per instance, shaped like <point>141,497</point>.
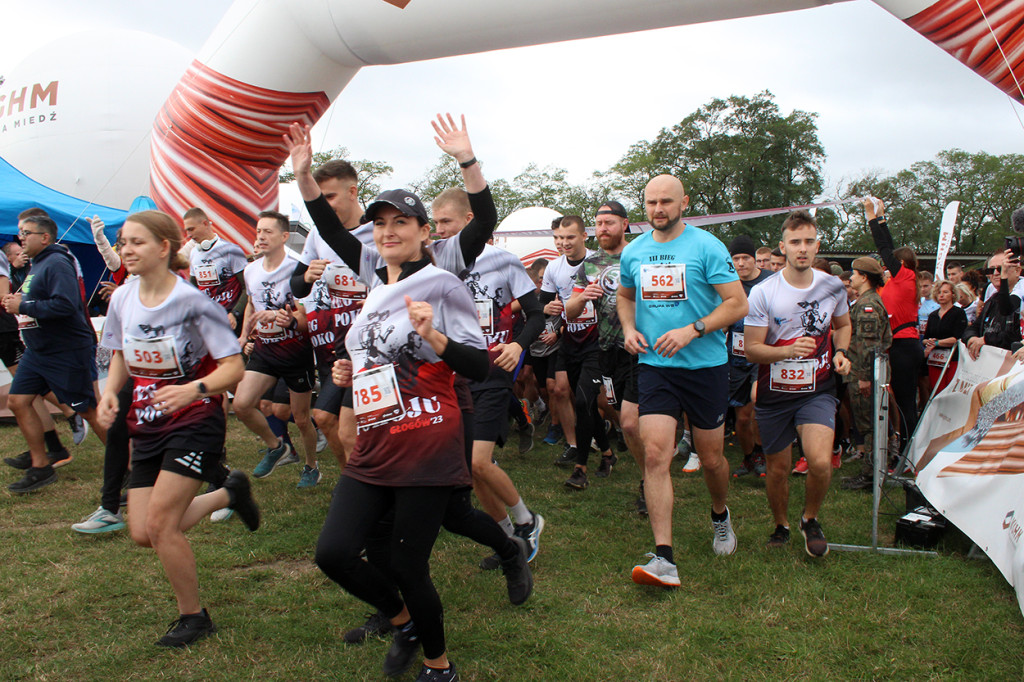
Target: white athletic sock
<point>520,513</point>
<point>506,525</point>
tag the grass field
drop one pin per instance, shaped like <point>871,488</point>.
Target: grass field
<point>77,607</point>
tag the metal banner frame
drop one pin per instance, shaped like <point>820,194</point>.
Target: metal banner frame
<point>879,448</point>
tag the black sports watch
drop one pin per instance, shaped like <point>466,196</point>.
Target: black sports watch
<point>201,387</point>
<point>699,327</point>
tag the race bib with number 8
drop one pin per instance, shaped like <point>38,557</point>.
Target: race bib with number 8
<point>663,282</point>
<point>342,283</point>
<point>153,358</point>
<point>375,397</point>
<point>792,376</point>
<point>737,344</point>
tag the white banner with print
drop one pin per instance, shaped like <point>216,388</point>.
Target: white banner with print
<point>969,454</point>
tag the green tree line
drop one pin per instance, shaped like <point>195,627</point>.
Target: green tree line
<point>744,153</point>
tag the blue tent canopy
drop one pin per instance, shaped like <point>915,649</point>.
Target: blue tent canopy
<point>19,192</point>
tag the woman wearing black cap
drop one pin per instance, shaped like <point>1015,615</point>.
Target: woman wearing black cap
<point>409,455</point>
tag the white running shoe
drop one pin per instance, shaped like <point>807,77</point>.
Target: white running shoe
<point>221,515</point>
<point>692,465</point>
<point>100,521</point>
<point>725,540</point>
<point>321,441</point>
<point>659,572</point>
<point>79,428</point>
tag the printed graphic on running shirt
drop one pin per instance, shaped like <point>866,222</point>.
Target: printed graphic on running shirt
<point>328,319</point>
<point>790,313</point>
<point>409,425</point>
<point>215,270</point>
<point>281,346</point>
<point>559,279</point>
<point>496,279</point>
<point>175,343</point>
<point>603,268</point>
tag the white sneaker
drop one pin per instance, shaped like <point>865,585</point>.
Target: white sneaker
<point>725,540</point>
<point>692,465</point>
<point>100,521</point>
<point>659,572</point>
<point>79,428</point>
<point>321,441</point>
<point>221,515</point>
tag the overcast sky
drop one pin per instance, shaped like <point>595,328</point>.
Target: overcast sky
<point>885,96</point>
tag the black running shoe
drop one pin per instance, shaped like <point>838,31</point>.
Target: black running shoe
<point>188,630</point>
<point>490,563</point>
<point>237,485</point>
<point>20,462</point>
<point>814,538</point>
<point>24,461</point>
<point>641,501</point>
<point>578,480</point>
<point>448,674</point>
<point>531,533</point>
<point>518,576</point>
<point>34,479</point>
<point>607,462</point>
<point>525,438</point>
<point>779,538</point>
<point>376,625</point>
<point>405,644</point>
<point>59,458</point>
<point>567,458</point>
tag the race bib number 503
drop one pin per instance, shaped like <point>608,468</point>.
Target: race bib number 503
<point>153,358</point>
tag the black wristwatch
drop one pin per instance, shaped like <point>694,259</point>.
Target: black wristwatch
<point>841,350</point>
<point>699,327</point>
<point>201,387</point>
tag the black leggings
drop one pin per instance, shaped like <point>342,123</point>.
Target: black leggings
<point>906,357</point>
<point>585,374</point>
<point>117,453</point>
<point>356,508</point>
<point>461,518</point>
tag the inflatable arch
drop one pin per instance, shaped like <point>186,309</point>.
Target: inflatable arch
<point>216,142</point>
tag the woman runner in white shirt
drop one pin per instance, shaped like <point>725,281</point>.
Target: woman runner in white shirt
<point>182,354</point>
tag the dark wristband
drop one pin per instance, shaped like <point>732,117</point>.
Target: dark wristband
<point>467,164</point>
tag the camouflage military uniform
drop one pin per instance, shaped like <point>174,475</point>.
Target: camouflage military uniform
<point>871,331</point>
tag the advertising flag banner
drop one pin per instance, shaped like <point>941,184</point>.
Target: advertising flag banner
<point>945,238</point>
<point>969,455</point>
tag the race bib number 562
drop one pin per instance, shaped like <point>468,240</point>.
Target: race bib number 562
<point>663,282</point>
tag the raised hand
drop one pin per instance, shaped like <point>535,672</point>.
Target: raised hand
<point>453,140</point>
<point>300,148</point>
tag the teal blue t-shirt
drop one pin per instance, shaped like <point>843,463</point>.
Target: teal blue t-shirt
<point>674,283</point>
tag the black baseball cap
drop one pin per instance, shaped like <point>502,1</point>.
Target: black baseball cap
<point>612,208</point>
<point>406,202</point>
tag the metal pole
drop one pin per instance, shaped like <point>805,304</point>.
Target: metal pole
<point>880,451</point>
